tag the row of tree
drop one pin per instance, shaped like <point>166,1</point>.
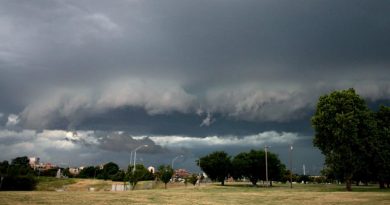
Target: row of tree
<point>20,176</point>
<point>17,175</point>
<point>354,139</point>
<point>249,165</point>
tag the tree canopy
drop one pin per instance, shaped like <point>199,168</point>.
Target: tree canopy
<point>216,165</point>
<point>138,174</point>
<point>251,165</point>
<point>165,173</point>
<point>382,158</point>
<point>344,127</point>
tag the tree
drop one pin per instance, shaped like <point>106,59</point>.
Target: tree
<point>382,145</point>
<point>216,165</point>
<point>276,169</point>
<point>250,165</point>
<point>109,170</point>
<point>21,161</point>
<point>119,176</point>
<point>88,172</point>
<point>165,173</point>
<point>343,125</point>
<point>192,179</point>
<point>138,174</point>
<point>18,175</point>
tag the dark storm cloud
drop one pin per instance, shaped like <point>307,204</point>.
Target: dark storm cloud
<point>257,60</point>
<point>173,67</point>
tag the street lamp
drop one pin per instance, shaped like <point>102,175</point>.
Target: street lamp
<point>266,164</point>
<point>291,149</point>
<point>174,159</point>
<point>131,158</point>
<point>135,154</point>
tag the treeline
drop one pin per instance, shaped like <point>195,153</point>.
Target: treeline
<point>246,165</point>
<point>17,175</point>
<point>354,139</point>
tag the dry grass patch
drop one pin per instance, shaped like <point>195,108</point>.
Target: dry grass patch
<point>210,194</point>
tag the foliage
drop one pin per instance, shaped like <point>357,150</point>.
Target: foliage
<point>48,173</point>
<point>303,178</point>
<point>286,177</point>
<point>88,172</point>
<point>109,170</point>
<point>192,179</point>
<point>343,125</point>
<point>20,183</point>
<point>251,165</point>
<point>382,145</point>
<point>138,174</point>
<point>18,175</point>
<point>21,161</point>
<point>216,165</point>
<point>165,173</point>
<point>119,176</point>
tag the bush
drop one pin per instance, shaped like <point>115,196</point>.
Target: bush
<point>18,183</point>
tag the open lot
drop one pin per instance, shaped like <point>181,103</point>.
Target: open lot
<point>233,193</point>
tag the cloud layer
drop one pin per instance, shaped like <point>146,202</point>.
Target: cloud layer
<point>183,68</point>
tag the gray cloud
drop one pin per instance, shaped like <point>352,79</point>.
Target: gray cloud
<point>12,120</point>
<point>79,64</point>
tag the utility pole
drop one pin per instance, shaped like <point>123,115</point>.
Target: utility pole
<point>291,149</point>
<point>266,164</point>
<point>135,155</point>
<point>200,175</point>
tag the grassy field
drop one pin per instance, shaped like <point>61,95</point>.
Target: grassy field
<point>233,193</point>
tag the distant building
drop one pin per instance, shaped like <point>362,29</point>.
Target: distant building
<point>45,166</point>
<point>75,171</point>
<point>151,169</point>
<point>34,162</point>
<point>180,174</point>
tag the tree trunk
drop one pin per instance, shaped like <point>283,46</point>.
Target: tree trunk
<point>357,183</point>
<point>165,185</point>
<point>223,182</point>
<point>348,184</point>
<point>254,182</point>
<point>270,183</point>
<point>381,184</point>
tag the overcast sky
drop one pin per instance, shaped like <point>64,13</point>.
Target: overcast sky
<point>85,82</point>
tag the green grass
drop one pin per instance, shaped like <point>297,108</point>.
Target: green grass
<point>232,193</point>
<point>51,183</point>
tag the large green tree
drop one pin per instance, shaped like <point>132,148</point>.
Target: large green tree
<point>382,157</point>
<point>216,165</point>
<point>343,127</point>
<point>251,165</point>
<point>109,170</point>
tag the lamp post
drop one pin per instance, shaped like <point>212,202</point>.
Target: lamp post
<point>172,162</point>
<point>135,154</point>
<point>174,159</point>
<point>266,164</point>
<point>131,157</point>
<point>291,149</point>
<point>200,174</point>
